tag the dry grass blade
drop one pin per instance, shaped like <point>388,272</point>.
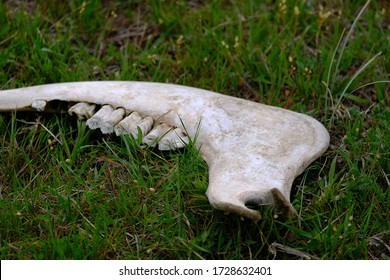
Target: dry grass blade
<point>275,247</point>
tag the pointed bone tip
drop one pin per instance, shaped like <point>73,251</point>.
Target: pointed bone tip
<point>238,204</point>
<point>242,211</point>
<point>283,205</point>
<point>236,207</point>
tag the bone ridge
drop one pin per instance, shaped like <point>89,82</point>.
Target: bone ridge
<point>110,120</point>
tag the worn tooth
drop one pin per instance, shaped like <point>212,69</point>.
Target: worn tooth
<point>83,110</point>
<point>156,134</point>
<point>131,123</point>
<point>98,119</point>
<point>38,105</point>
<point>107,126</point>
<point>145,125</point>
<point>112,120</point>
<point>128,124</point>
<point>106,118</point>
<point>174,139</point>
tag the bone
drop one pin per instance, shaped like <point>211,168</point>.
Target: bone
<point>98,119</point>
<point>132,123</point>
<point>174,139</point>
<point>145,125</point>
<point>39,105</point>
<point>128,125</point>
<point>106,118</point>
<point>82,110</point>
<point>253,151</point>
<point>153,137</point>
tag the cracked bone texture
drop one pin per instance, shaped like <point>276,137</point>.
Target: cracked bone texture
<point>253,151</point>
<point>82,110</point>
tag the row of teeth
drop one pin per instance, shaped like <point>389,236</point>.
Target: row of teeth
<point>110,120</point>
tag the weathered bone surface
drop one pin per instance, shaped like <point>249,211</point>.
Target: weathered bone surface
<point>106,118</point>
<point>173,139</point>
<point>253,151</point>
<point>38,105</point>
<point>132,123</point>
<point>82,110</point>
<point>156,134</point>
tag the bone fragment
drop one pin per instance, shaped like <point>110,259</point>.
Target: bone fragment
<point>39,105</point>
<point>253,151</point>
<point>106,118</point>
<point>159,131</point>
<point>174,139</point>
<point>132,123</point>
<point>82,110</point>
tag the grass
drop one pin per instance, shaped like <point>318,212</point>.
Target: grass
<point>81,195</point>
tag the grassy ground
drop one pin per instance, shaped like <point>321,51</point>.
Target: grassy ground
<point>80,195</point>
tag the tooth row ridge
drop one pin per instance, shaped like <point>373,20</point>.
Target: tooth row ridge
<point>115,120</point>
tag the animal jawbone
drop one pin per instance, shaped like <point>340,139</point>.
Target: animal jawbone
<point>253,151</point>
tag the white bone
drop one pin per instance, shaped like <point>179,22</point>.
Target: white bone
<point>97,120</point>
<point>39,105</point>
<point>253,151</point>
<point>82,110</point>
<point>112,120</point>
<point>131,123</point>
<point>128,125</point>
<point>145,126</point>
<point>174,139</point>
<point>152,138</point>
<point>106,118</point>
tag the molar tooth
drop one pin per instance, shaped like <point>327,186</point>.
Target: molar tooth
<point>98,119</point>
<point>145,126</point>
<point>106,118</point>
<point>83,110</point>
<point>174,139</point>
<point>111,120</point>
<point>129,125</point>
<point>156,134</point>
<point>38,105</point>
